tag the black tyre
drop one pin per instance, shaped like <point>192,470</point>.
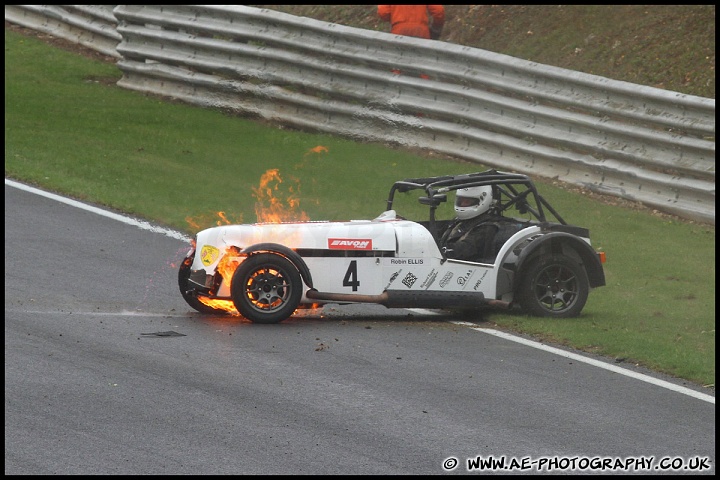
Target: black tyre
<point>183,275</point>
<point>555,286</point>
<point>266,288</point>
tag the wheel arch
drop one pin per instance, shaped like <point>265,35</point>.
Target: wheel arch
<point>286,252</point>
<point>565,244</point>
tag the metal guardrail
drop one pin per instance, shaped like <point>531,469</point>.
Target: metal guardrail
<point>93,26</point>
<point>635,142</point>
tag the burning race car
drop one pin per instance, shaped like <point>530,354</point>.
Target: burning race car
<point>268,270</point>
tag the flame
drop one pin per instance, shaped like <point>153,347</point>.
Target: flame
<point>225,305</point>
<point>315,150</point>
<point>318,149</point>
<point>226,268</point>
<point>223,218</point>
<point>218,218</point>
<point>270,207</point>
<point>192,223</point>
<point>228,263</point>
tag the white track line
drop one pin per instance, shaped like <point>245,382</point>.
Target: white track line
<point>596,363</point>
<point>174,234</point>
<point>121,218</point>
<point>124,313</point>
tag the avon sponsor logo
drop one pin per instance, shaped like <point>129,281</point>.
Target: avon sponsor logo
<point>349,244</point>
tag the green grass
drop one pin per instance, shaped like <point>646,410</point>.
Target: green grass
<point>69,129</point>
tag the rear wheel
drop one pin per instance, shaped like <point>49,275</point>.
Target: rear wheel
<point>192,300</point>
<point>555,286</point>
<point>266,288</point>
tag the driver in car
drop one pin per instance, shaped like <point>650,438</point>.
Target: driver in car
<point>478,231</point>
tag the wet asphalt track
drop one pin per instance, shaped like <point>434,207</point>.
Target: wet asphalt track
<point>107,371</point>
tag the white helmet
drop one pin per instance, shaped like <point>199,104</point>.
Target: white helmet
<point>472,201</point>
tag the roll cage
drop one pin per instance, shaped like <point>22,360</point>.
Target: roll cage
<point>510,190</point>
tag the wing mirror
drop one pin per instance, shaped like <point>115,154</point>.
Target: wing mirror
<point>433,201</point>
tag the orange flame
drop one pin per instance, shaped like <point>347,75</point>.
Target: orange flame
<point>270,208</point>
<point>218,218</point>
<point>225,305</point>
<point>318,149</point>
<point>315,150</point>
<point>226,268</point>
<point>228,263</point>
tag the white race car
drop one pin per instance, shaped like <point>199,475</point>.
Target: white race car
<point>267,271</point>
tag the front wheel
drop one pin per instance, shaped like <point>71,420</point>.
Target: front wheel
<point>266,288</point>
<point>555,286</point>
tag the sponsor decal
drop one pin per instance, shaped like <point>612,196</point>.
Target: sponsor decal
<point>350,243</point>
<point>462,280</point>
<point>479,282</point>
<point>429,280</point>
<point>393,277</point>
<point>409,280</point>
<point>208,255</point>
<point>446,279</point>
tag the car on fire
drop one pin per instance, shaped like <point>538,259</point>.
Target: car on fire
<point>544,266</point>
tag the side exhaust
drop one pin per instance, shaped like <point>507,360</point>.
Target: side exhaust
<point>403,299</point>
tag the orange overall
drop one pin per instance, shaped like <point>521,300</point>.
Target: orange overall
<point>412,20</point>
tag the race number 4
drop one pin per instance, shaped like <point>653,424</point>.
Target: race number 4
<point>351,279</point>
